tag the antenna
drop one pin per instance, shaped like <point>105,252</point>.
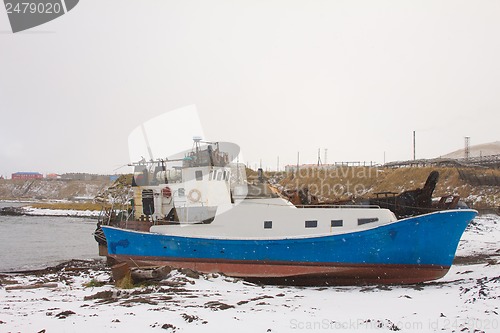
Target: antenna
<point>238,169</point>
<point>467,148</point>
<point>196,143</point>
<point>150,152</point>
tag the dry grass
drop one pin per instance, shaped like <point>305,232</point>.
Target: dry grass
<point>363,182</point>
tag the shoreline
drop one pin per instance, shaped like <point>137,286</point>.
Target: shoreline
<point>28,210</point>
<point>79,296</point>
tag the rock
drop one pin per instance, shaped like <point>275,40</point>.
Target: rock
<point>140,274</point>
<point>102,295</point>
<point>189,318</point>
<point>12,211</point>
<point>190,273</point>
<point>169,326</point>
<point>216,305</point>
<point>64,314</point>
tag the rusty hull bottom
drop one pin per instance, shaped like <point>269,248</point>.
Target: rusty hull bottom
<point>300,273</point>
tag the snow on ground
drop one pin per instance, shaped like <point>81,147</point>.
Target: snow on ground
<point>465,300</point>
<point>60,212</point>
<point>481,236</point>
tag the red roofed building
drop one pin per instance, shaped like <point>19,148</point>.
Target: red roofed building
<point>27,175</point>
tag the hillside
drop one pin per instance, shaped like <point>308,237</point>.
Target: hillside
<point>485,149</point>
<point>48,189</point>
<point>480,188</point>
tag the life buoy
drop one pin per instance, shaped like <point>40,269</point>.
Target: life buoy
<point>194,195</point>
<point>166,192</point>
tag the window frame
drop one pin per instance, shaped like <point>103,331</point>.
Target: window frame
<point>311,224</point>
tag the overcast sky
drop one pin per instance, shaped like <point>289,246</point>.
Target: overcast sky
<point>275,77</point>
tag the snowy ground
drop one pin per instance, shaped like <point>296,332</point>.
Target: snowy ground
<point>60,212</point>
<point>17,208</point>
<point>465,300</point>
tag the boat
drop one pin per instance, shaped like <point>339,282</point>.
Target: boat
<point>198,211</point>
<point>405,204</point>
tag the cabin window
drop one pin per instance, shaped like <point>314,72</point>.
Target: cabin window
<point>181,192</point>
<point>337,223</point>
<point>226,175</point>
<point>268,224</point>
<point>219,175</point>
<point>140,176</point>
<point>311,224</point>
<point>198,174</point>
<point>148,206</point>
<point>367,220</point>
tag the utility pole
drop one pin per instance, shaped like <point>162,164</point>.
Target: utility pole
<point>298,159</point>
<point>319,156</point>
<point>326,155</point>
<point>414,147</point>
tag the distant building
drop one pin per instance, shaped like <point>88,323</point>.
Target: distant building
<point>53,176</point>
<point>293,167</point>
<point>27,175</point>
<point>84,177</point>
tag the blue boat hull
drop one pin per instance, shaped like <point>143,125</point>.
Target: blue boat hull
<point>407,251</point>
